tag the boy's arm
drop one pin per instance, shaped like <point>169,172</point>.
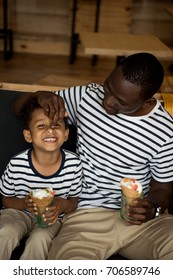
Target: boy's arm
<point>66,205</point>
<point>18,203</point>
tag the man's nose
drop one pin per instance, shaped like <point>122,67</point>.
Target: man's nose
<point>111,101</point>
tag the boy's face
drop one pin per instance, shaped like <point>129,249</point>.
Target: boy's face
<point>42,135</point>
<point>121,96</point>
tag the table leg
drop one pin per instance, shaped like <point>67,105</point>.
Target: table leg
<point>96,28</point>
<point>6,34</point>
<point>74,35</point>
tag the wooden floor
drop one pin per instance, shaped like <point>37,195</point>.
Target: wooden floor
<point>34,69</point>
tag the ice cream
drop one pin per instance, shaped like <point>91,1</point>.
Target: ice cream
<point>131,188</point>
<point>42,198</point>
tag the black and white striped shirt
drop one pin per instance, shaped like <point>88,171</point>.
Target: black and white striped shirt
<point>20,176</point>
<point>113,147</point>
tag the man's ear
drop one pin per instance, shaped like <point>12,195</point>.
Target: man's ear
<point>27,135</point>
<point>66,134</point>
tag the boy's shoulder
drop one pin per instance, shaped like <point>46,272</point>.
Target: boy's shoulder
<point>21,154</point>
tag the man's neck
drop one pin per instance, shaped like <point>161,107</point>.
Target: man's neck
<point>146,108</point>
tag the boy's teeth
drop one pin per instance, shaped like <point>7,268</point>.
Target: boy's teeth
<point>49,139</point>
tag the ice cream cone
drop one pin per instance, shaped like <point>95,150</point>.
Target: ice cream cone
<point>130,195</point>
<point>131,189</point>
<point>130,192</point>
<point>42,198</point>
<point>42,203</point>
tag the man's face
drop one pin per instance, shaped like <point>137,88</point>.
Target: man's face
<point>121,96</point>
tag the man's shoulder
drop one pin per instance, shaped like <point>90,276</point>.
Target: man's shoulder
<point>94,87</point>
<point>71,155</point>
<point>164,114</point>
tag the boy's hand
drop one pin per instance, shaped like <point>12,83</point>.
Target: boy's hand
<point>30,205</point>
<point>61,205</point>
<point>52,213</point>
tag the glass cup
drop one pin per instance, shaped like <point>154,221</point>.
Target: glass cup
<point>127,201</point>
<point>42,210</point>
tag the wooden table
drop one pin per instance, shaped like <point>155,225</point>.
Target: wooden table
<point>62,81</point>
<point>124,45</point>
<point>27,87</point>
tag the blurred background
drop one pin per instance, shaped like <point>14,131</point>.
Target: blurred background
<point>44,37</point>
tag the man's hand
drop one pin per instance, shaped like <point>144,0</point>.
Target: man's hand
<point>52,104</point>
<point>143,211</point>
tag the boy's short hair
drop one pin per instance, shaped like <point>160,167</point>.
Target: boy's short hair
<point>145,70</point>
<point>29,107</point>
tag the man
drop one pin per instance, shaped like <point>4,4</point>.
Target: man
<point>123,131</point>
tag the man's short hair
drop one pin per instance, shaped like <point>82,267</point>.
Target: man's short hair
<point>145,70</point>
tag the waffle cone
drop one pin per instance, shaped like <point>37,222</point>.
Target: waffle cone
<point>42,203</point>
<point>130,195</point>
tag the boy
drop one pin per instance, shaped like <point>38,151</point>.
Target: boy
<point>45,165</point>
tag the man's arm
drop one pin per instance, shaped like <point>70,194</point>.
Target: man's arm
<point>160,194</point>
<point>52,104</point>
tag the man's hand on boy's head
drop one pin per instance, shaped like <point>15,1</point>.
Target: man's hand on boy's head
<point>52,104</point>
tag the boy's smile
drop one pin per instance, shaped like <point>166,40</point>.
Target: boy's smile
<point>42,135</point>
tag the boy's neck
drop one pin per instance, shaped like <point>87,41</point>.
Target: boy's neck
<point>46,163</point>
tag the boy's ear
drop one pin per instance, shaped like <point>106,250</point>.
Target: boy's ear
<point>66,134</point>
<point>27,135</point>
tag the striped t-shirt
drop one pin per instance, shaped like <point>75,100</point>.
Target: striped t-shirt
<point>20,176</point>
<point>113,147</point>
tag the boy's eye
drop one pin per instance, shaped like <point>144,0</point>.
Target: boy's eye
<point>41,126</point>
<point>56,125</point>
